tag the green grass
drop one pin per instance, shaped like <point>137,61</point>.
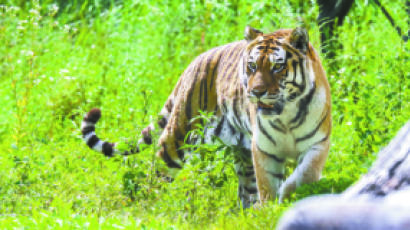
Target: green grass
<point>125,58</point>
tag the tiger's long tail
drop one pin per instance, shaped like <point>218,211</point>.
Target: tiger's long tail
<point>107,148</point>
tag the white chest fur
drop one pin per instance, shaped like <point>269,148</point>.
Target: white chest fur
<point>276,134</point>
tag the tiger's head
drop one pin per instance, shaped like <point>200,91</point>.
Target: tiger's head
<point>273,68</point>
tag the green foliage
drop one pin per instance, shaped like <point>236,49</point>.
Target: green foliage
<point>323,186</point>
<point>59,60</point>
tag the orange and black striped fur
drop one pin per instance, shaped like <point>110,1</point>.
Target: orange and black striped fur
<point>270,97</point>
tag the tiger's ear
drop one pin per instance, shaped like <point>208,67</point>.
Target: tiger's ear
<point>251,33</point>
<point>299,39</point>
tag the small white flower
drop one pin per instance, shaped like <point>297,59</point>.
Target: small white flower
<point>27,53</point>
<point>342,70</point>
<point>66,28</point>
<point>69,78</point>
<point>53,9</point>
<point>64,71</point>
<point>34,12</point>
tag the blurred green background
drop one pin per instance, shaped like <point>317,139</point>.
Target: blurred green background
<point>58,59</point>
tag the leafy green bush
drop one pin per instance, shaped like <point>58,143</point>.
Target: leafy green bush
<point>125,57</point>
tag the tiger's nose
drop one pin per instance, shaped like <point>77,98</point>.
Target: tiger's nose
<point>258,92</point>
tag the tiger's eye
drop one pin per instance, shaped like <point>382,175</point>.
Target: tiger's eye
<point>252,66</point>
<point>278,67</point>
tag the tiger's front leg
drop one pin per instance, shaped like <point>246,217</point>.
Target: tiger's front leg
<point>308,170</point>
<point>269,171</point>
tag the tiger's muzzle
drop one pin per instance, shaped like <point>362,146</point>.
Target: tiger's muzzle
<point>267,104</point>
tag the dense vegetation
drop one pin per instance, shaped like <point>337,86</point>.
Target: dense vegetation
<point>59,60</point>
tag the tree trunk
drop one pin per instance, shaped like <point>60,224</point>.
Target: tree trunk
<point>379,200</point>
<point>329,12</point>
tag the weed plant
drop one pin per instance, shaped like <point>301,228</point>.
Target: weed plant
<point>59,59</point>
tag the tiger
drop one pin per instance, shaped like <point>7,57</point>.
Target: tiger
<point>270,99</point>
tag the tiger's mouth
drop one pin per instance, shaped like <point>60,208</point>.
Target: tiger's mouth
<point>273,109</point>
<point>264,106</point>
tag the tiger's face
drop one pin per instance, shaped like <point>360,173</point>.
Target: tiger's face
<point>273,69</point>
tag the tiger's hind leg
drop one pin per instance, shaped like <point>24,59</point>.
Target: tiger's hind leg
<point>191,95</point>
<point>176,126</point>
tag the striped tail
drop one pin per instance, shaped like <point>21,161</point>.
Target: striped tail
<point>105,147</point>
